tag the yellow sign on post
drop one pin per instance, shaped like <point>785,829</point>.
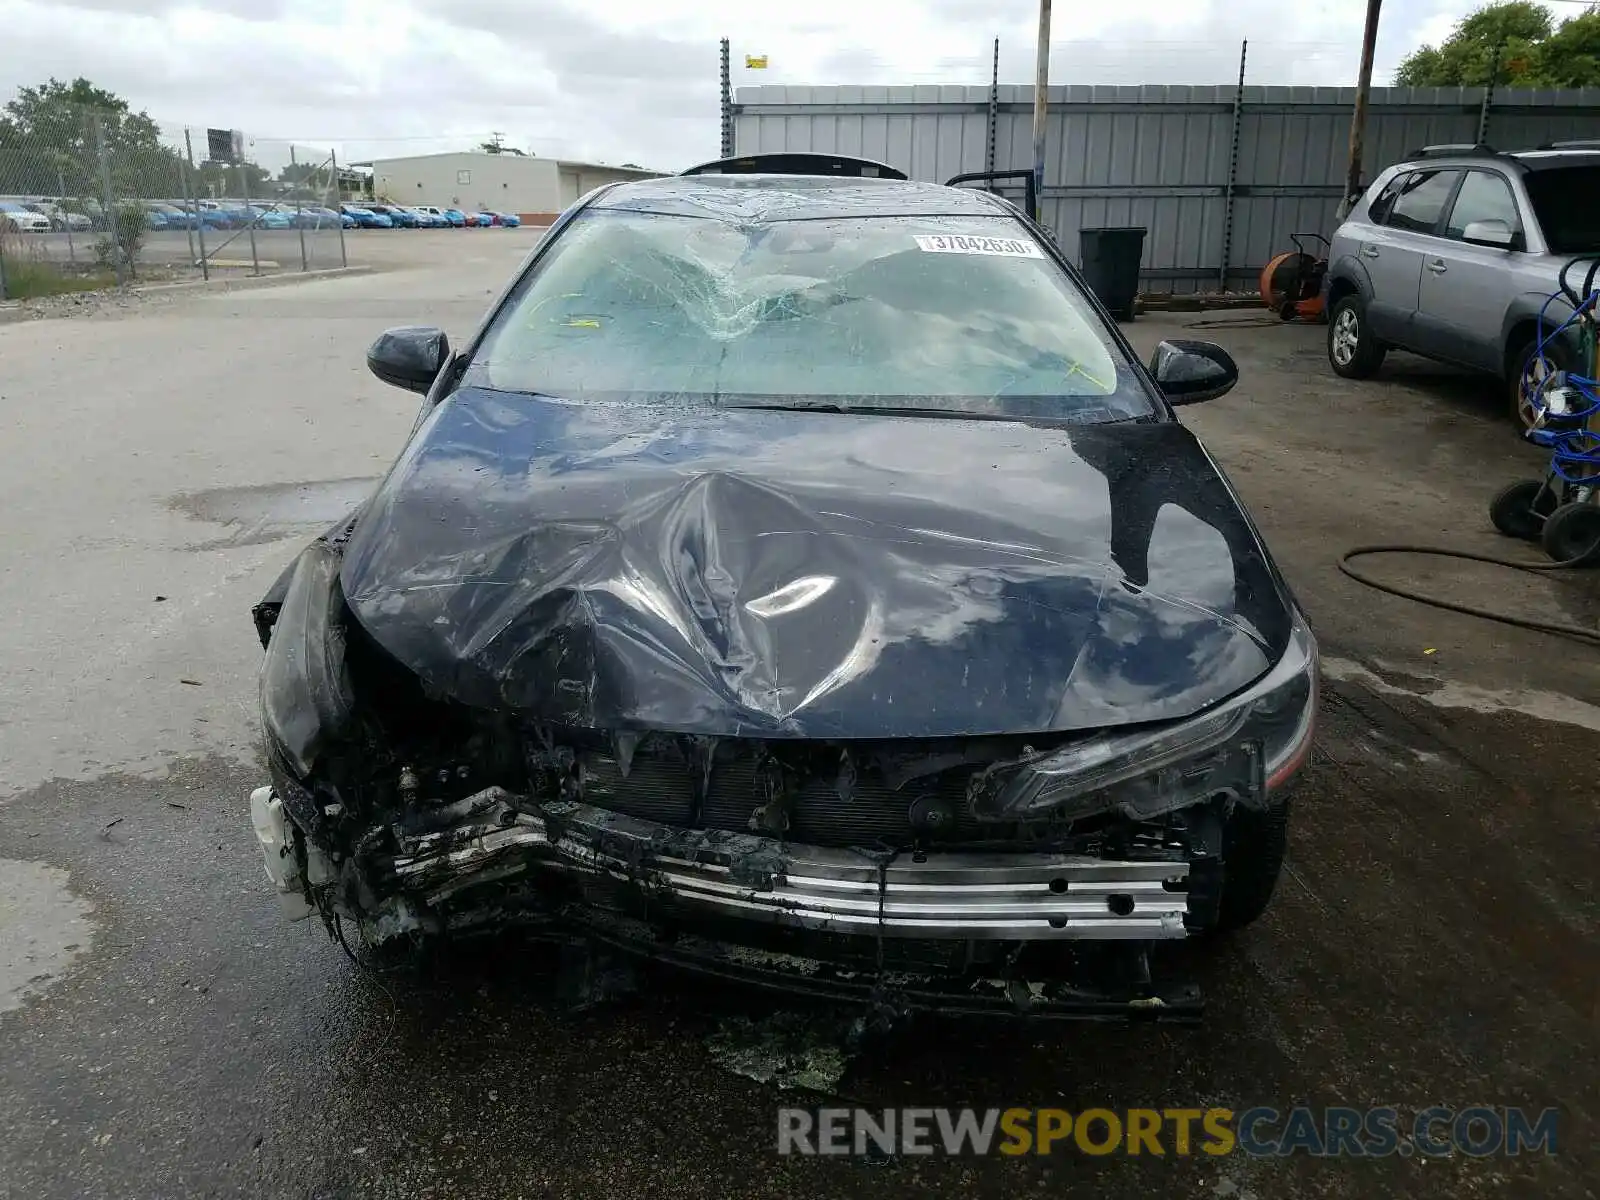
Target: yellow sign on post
<point>756,62</point>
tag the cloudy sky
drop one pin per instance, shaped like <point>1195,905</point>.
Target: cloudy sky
<point>635,80</point>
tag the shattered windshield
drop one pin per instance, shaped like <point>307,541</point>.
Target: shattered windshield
<point>959,313</point>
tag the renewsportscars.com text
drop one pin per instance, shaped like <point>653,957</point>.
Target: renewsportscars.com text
<point>1480,1131</point>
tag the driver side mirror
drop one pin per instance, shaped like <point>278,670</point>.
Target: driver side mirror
<point>409,357</point>
<point>1189,372</point>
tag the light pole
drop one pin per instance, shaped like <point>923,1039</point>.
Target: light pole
<point>1041,82</point>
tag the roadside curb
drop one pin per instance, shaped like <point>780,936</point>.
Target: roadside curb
<point>18,310</point>
<point>278,279</point>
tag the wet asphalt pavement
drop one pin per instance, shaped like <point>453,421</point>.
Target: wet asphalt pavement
<point>1436,940</point>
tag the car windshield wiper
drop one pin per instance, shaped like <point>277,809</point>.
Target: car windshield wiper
<point>902,410</point>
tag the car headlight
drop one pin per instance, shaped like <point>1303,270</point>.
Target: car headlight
<point>1245,748</point>
<point>306,696</point>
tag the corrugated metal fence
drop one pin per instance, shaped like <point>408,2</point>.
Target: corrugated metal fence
<point>1220,176</point>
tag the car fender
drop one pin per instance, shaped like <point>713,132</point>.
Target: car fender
<point>1347,269</point>
<point>1522,317</point>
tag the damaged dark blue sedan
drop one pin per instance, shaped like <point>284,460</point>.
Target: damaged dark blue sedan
<point>798,578</point>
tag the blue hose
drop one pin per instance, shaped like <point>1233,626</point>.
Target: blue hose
<point>1574,452</point>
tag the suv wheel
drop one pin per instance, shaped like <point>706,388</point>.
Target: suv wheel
<point>1528,371</point>
<point>1353,351</point>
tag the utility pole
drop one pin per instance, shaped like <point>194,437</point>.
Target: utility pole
<point>1041,83</point>
<point>1358,119</point>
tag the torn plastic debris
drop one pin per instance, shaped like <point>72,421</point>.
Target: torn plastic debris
<point>789,1049</point>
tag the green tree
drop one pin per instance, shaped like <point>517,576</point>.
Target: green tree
<point>1514,44</point>
<point>1570,57</point>
<point>51,138</point>
<point>305,181</point>
<point>231,180</point>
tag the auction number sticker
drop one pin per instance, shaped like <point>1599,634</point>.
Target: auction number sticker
<point>951,243</point>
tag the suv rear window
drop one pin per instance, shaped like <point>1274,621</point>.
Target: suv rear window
<point>1564,201</point>
<point>1422,198</point>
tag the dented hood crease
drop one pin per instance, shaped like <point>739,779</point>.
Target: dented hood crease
<point>794,574</point>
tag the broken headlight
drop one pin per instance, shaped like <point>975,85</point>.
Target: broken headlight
<point>306,697</point>
<point>1243,749</point>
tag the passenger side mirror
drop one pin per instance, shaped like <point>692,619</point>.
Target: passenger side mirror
<point>409,357</point>
<point>1492,232</point>
<point>1189,372</point>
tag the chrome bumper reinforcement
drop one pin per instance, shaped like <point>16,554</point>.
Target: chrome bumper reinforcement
<point>938,894</point>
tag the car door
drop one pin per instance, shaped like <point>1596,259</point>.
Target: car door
<point>1393,247</point>
<point>1464,290</point>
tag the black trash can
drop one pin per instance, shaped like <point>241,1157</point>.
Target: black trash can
<point>1110,265</point>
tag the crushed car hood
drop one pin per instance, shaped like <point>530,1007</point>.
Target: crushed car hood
<point>766,573</point>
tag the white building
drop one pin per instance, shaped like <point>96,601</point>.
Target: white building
<point>536,189</point>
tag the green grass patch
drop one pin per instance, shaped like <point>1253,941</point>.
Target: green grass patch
<point>29,280</point>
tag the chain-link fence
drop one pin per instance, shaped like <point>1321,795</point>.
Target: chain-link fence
<point>91,198</point>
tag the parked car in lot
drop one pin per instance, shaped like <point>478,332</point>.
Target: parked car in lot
<point>242,216</point>
<point>276,218</point>
<point>18,218</point>
<point>170,216</point>
<point>435,216</point>
<point>456,217</point>
<point>319,218</point>
<point>366,218</point>
<point>61,218</point>
<point>1453,253</point>
<point>796,576</point>
<point>401,218</point>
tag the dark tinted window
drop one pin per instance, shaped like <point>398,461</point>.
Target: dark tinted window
<point>1484,196</point>
<point>1421,200</point>
<point>1564,200</point>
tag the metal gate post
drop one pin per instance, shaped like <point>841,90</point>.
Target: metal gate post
<point>118,254</point>
<point>200,225</point>
<point>244,188</point>
<point>1233,172</point>
<point>299,213</point>
<point>994,106</point>
<point>338,205</point>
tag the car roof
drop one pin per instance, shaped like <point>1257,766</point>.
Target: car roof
<point>763,197</point>
<point>1545,159</point>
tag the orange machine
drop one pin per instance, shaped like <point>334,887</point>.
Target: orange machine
<point>1291,284</point>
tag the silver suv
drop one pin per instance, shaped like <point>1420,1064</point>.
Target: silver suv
<point>1453,253</point>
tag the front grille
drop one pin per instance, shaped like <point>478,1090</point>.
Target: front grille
<point>663,789</point>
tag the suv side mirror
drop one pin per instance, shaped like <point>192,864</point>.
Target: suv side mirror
<point>1189,372</point>
<point>1493,232</point>
<point>409,357</point>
